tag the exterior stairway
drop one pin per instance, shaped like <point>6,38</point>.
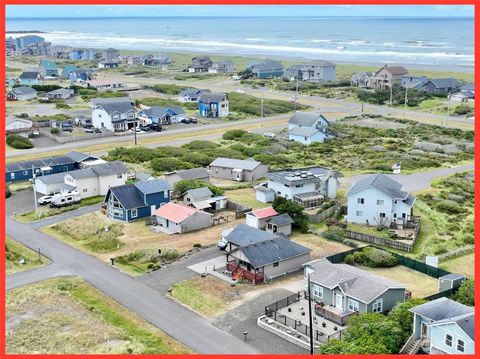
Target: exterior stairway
<point>411,346</point>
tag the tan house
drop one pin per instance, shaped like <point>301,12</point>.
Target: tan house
<point>237,170</point>
<point>387,77</point>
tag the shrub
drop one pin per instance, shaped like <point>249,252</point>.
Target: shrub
<point>372,257</point>
<point>18,142</point>
<point>463,109</point>
<point>184,185</point>
<point>55,130</point>
<point>234,134</point>
<point>168,164</point>
<point>449,207</point>
<point>168,89</point>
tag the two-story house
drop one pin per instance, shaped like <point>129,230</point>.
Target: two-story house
<point>341,290</point>
<point>266,69</point>
<point>314,71</point>
<point>362,79</point>
<point>191,94</point>
<point>442,326</point>
<point>200,64</point>
<point>378,200</point>
<point>221,67</point>
<point>387,77</point>
<point>213,105</point>
<point>48,68</point>
<point>133,201</point>
<point>308,128</point>
<point>116,116</point>
<point>29,78</point>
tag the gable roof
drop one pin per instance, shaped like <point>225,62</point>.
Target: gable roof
<point>281,220</point>
<point>128,195</point>
<point>243,235</point>
<point>248,164</point>
<point>448,82</point>
<point>103,169</point>
<point>266,65</point>
<point>42,162</point>
<point>306,119</point>
<point>153,186</point>
<point>442,308</point>
<point>273,250</point>
<point>383,184</point>
<point>176,212</point>
<point>160,111</point>
<point>24,90</point>
<point>29,75</point>
<point>357,283</point>
<point>468,87</point>
<point>52,179</point>
<point>192,92</point>
<point>193,173</point>
<point>79,156</point>
<point>394,70</point>
<point>61,91</point>
<point>303,131</point>
<point>121,107</point>
<point>197,193</point>
<point>264,212</point>
<point>213,97</point>
<point>48,64</point>
<point>465,322</point>
<point>105,100</point>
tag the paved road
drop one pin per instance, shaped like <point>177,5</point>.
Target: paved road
<point>177,321</point>
<point>48,271</point>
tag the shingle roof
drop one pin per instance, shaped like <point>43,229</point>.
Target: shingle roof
<point>60,91</point>
<point>264,212</point>
<point>191,92</point>
<point>193,173</point>
<point>121,107</point>
<point>105,100</point>
<point>29,75</point>
<point>48,64</point>
<point>267,65</point>
<point>110,168</point>
<point>273,250</point>
<point>248,165</point>
<point>24,90</point>
<point>305,119</point>
<point>79,156</point>
<point>175,212</point>
<point>52,179</point>
<point>81,174</point>
<point>44,162</point>
<point>442,308</point>
<point>303,131</point>
<point>212,97</point>
<point>354,282</point>
<point>159,112</point>
<point>467,323</point>
<point>449,82</point>
<point>468,87</point>
<point>243,235</point>
<point>382,183</point>
<point>281,220</point>
<point>199,193</point>
<point>395,70</point>
<point>128,195</point>
<point>154,186</point>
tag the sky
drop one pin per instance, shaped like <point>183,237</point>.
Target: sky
<point>76,11</point>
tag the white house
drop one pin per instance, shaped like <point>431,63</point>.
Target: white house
<point>117,116</point>
<point>190,95</point>
<point>314,71</point>
<point>18,126</point>
<point>259,217</point>
<point>62,94</point>
<point>176,218</point>
<point>379,200</point>
<point>308,127</point>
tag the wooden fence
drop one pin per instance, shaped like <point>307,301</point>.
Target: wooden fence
<point>319,217</point>
<point>239,209</point>
<point>395,244</point>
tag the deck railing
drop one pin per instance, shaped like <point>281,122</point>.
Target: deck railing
<point>332,316</point>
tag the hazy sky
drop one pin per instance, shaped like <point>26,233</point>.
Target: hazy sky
<point>48,11</point>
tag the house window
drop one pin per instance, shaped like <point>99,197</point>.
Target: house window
<point>378,306</point>
<point>12,176</point>
<point>448,340</point>
<point>25,173</point>
<point>382,215</point>
<point>275,264</point>
<point>119,175</point>
<point>460,345</point>
<point>353,305</point>
<point>380,202</point>
<point>85,190</point>
<point>317,291</point>
<point>134,213</point>
<point>299,185</point>
<point>359,213</point>
<point>360,200</point>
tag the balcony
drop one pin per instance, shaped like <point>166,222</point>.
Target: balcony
<point>334,314</point>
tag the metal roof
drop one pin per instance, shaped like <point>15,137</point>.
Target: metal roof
<point>249,164</point>
<point>154,186</point>
<point>128,195</point>
<point>383,184</point>
<point>441,309</point>
<point>199,193</point>
<point>243,235</point>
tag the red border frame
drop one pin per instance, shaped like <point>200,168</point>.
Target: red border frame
<point>476,4</point>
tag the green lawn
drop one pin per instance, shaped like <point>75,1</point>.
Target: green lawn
<point>461,265</point>
<point>69,316</point>
<point>15,252</point>
<point>245,196</point>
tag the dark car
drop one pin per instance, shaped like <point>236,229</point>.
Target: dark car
<point>155,127</point>
<point>145,128</point>
<point>66,127</point>
<point>193,120</point>
<point>186,120</point>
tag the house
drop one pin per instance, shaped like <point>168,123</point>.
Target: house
<point>362,79</point>
<point>35,49</point>
<point>308,187</point>
<point>111,64</point>
<point>67,70</point>
<point>59,94</point>
<point>48,68</point>
<point>441,86</point>
<point>281,224</point>
<point>468,87</point>
<point>199,173</point>
<point>462,96</point>
<point>110,54</point>
<point>88,182</point>
<point>213,105</point>
<point>81,75</point>
<point>411,81</point>
<point>314,71</point>
<point>200,64</point>
<point>22,93</point>
<point>266,69</point>
<point>237,170</point>
<point>145,177</point>
<point>165,115</point>
<point>115,116</point>
<point>134,201</point>
<point>221,67</point>
<point>29,78</point>
<point>95,102</point>
<point>387,77</point>
<point>258,218</point>
<point>191,95</point>
<point>134,60</point>
<point>83,54</point>
<point>260,256</point>
<point>340,290</point>
<point>22,171</point>
<point>378,200</point>
<point>103,85</point>
<point>18,126</point>
<point>442,326</point>
<point>160,60</point>
<point>177,218</point>
<point>195,195</point>
<point>307,128</point>
<point>28,40</point>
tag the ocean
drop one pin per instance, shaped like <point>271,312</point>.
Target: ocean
<point>430,42</point>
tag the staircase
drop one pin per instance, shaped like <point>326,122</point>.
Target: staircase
<point>411,346</point>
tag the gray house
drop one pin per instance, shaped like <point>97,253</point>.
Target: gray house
<point>21,93</point>
<point>441,86</point>
<point>196,195</point>
<point>237,170</point>
<point>259,256</point>
<point>225,66</point>
<point>281,224</point>
<point>199,173</point>
<point>314,71</point>
<point>175,218</point>
<point>341,290</point>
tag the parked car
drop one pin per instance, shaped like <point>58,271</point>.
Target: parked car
<point>67,127</point>
<point>222,244</point>
<point>45,200</point>
<point>91,130</point>
<point>145,128</point>
<point>155,127</point>
<point>240,91</point>
<point>186,121</point>
<point>193,120</point>
<point>269,135</point>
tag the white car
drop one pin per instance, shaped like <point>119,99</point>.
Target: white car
<point>240,91</point>
<point>269,135</point>
<point>45,200</point>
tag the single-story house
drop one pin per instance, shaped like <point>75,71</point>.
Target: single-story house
<point>164,115</point>
<point>22,93</point>
<point>29,78</point>
<point>116,116</point>
<point>470,86</point>
<point>191,94</point>
<point>462,96</point>
<point>110,64</point>
<point>103,85</point>
<point>237,170</point>
<point>59,94</point>
<point>195,195</point>
<point>80,75</point>
<point>441,86</point>
<point>378,200</point>
<point>258,218</point>
<point>133,201</point>
<point>341,290</point>
<point>266,69</point>
<point>200,64</point>
<point>48,68</point>
<point>281,224</point>
<point>260,256</point>
<point>19,126</point>
<point>199,173</point>
<point>412,81</point>
<point>52,184</point>
<point>177,218</point>
<point>213,105</point>
<point>442,326</point>
<point>307,128</point>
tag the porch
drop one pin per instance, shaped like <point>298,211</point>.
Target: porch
<point>238,271</point>
<point>334,314</point>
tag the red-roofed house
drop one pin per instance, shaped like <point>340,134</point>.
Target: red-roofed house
<point>259,217</point>
<point>176,218</point>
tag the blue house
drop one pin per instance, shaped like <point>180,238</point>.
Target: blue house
<point>48,68</point>
<point>133,201</point>
<point>24,170</point>
<point>29,78</point>
<point>213,105</point>
<point>83,54</point>
<point>67,70</point>
<point>162,115</point>
<point>80,75</point>
<point>442,326</point>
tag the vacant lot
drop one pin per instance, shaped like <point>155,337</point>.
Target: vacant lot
<point>245,196</point>
<point>20,258</point>
<point>461,265</point>
<point>418,283</point>
<point>63,316</point>
<point>320,246</point>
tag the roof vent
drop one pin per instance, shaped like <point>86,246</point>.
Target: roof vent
<point>304,175</point>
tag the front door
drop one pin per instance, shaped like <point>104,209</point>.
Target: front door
<point>339,301</point>
<point>424,330</point>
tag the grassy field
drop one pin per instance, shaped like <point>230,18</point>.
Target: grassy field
<point>461,265</point>
<point>320,246</point>
<point>46,211</point>
<point>245,196</point>
<point>15,252</point>
<point>68,316</point>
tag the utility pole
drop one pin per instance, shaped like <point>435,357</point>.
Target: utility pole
<point>362,104</point>
<point>34,189</point>
<point>312,344</point>
<point>261,107</point>
<point>405,103</point>
<point>391,95</point>
<point>135,132</point>
<point>296,90</point>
